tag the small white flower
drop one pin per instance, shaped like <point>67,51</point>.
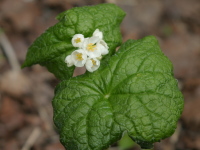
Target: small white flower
<point>79,57</point>
<point>91,48</point>
<point>92,64</point>
<point>103,47</point>
<point>98,34</point>
<point>69,61</point>
<point>90,51</point>
<point>78,40</point>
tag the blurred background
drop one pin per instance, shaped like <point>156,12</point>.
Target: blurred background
<point>25,95</point>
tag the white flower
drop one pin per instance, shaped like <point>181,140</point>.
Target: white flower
<point>92,64</point>
<point>103,47</point>
<point>98,34</point>
<point>79,58</point>
<point>90,51</point>
<point>91,48</point>
<point>78,40</point>
<point>69,61</point>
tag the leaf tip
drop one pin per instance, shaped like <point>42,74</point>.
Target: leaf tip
<point>150,38</point>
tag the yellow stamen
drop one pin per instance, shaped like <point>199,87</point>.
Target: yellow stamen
<point>91,47</point>
<point>79,56</point>
<point>78,40</point>
<point>93,62</point>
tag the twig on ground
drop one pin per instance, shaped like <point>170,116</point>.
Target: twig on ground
<point>32,138</point>
<point>9,51</point>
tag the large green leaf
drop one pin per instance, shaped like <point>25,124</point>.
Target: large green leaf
<point>135,92</point>
<point>51,48</point>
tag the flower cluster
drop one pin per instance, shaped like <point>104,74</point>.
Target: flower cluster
<point>89,52</point>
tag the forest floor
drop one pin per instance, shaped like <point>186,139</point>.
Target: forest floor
<point>25,95</point>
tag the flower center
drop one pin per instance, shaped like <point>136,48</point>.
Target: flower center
<point>78,40</point>
<point>91,47</point>
<point>93,62</point>
<point>79,56</point>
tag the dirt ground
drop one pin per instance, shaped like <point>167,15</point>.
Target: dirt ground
<point>25,95</point>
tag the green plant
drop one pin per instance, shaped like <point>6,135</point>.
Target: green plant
<point>132,91</point>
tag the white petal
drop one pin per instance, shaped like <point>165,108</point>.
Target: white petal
<point>103,43</point>
<point>98,34</point>
<point>99,58</point>
<point>86,41</point>
<point>94,39</point>
<point>103,47</point>
<point>77,40</point>
<point>80,63</point>
<point>90,47</point>
<point>69,61</point>
<point>96,53</point>
<point>103,50</point>
<point>79,57</point>
<point>90,66</point>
